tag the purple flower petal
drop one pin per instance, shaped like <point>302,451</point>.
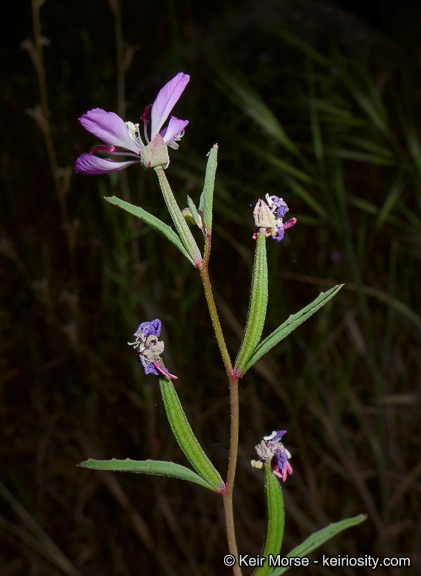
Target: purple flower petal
<point>278,436</point>
<point>281,206</point>
<point>109,128</point>
<point>166,100</point>
<point>281,458</point>
<point>280,233</point>
<point>89,164</point>
<point>149,329</point>
<point>175,128</point>
<point>148,366</point>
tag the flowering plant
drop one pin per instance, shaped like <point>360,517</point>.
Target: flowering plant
<point>123,138</point>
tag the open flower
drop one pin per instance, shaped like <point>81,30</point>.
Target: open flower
<point>271,450</point>
<point>149,348</point>
<point>271,217</point>
<point>124,139</point>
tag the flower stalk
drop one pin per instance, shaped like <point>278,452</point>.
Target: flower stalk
<point>177,217</point>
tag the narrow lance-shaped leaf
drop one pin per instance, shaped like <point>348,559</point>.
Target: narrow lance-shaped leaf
<point>153,467</point>
<point>151,221</point>
<point>257,306</point>
<point>206,198</point>
<point>194,213</point>
<point>178,219</point>
<point>275,520</point>
<point>318,538</point>
<point>290,325</point>
<point>185,437</point>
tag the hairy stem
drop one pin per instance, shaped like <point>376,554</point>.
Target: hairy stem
<point>204,273</point>
<point>234,407</point>
<point>232,464</point>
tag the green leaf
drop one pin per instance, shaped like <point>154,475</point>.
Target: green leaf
<point>318,538</point>
<point>154,467</point>
<point>290,325</point>
<point>275,521</point>
<point>185,437</point>
<point>257,306</point>
<point>206,198</point>
<point>151,221</point>
<point>194,213</point>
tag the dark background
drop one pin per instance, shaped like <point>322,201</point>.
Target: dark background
<point>78,276</point>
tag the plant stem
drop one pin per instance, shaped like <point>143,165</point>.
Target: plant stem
<point>232,464</point>
<point>204,273</point>
<point>234,406</point>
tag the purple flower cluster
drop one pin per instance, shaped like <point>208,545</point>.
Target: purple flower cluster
<point>124,139</point>
<point>272,450</point>
<point>270,216</point>
<point>149,348</point>
<point>280,208</point>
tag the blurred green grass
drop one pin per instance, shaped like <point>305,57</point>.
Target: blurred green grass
<point>326,118</point>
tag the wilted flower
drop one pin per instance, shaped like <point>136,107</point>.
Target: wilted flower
<point>149,348</point>
<point>270,216</point>
<point>272,450</point>
<point>124,139</point>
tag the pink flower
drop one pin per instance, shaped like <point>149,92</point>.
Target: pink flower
<point>149,348</point>
<point>124,139</point>
<point>271,217</point>
<point>271,450</point>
